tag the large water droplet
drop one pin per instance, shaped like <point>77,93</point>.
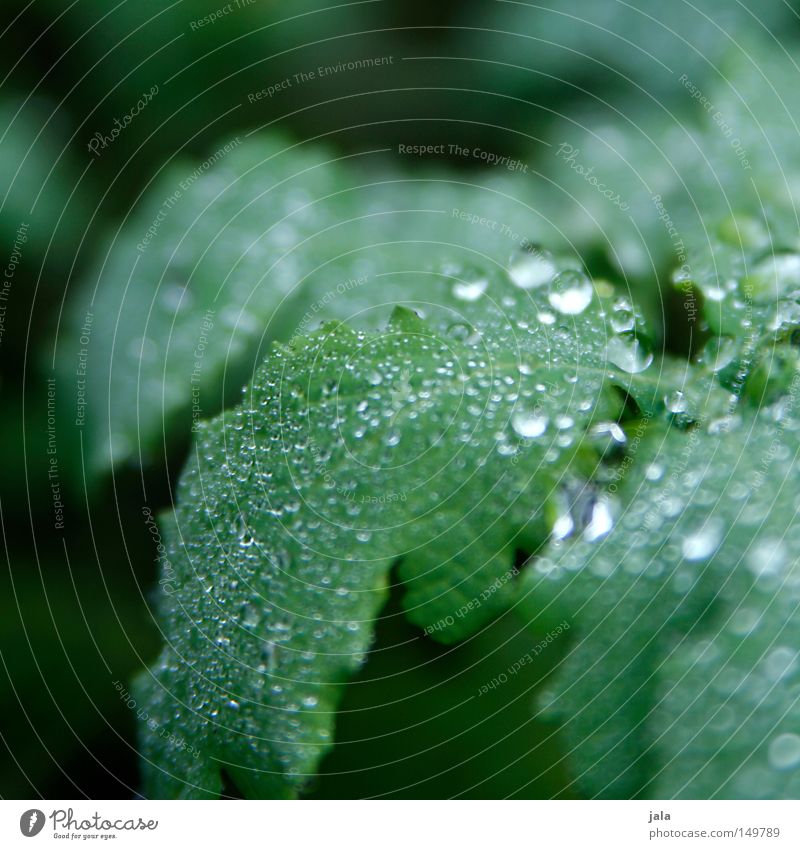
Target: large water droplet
<point>573,292</point>
<point>531,267</point>
<point>628,353</point>
<point>528,425</point>
<point>563,526</point>
<point>601,522</point>
<point>703,543</point>
<point>470,289</point>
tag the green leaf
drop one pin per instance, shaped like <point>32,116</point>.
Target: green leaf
<point>260,242</point>
<point>441,444</point>
<point>183,296</point>
<point>704,190</point>
<point>751,304</point>
<point>683,678</point>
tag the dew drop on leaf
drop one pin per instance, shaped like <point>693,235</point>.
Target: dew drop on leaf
<point>776,276</point>
<point>528,425</point>
<point>573,293</point>
<point>702,544</point>
<point>787,314</point>
<point>781,662</point>
<point>628,353</point>
<point>470,290</point>
<point>601,521</point>
<point>719,352</point>
<point>611,429</point>
<point>676,402</point>
<point>767,557</point>
<point>784,751</point>
<point>531,267</point>
<point>622,318</point>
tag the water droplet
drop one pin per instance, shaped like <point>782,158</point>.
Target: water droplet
<point>392,438</point>
<point>767,557</point>
<point>787,314</point>
<point>784,751</point>
<point>601,522</point>
<point>722,424</point>
<point>714,293</point>
<point>470,290</point>
<point>776,276</point>
<point>703,543</point>
<point>622,318</point>
<point>676,402</point>
<point>628,353</point>
<point>563,526</point>
<point>531,267</point>
<point>572,294</point>
<point>654,472</point>
<point>719,352</point>
<point>780,663</point>
<point>611,429</point>
<point>528,425</point>
<point>460,331</point>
